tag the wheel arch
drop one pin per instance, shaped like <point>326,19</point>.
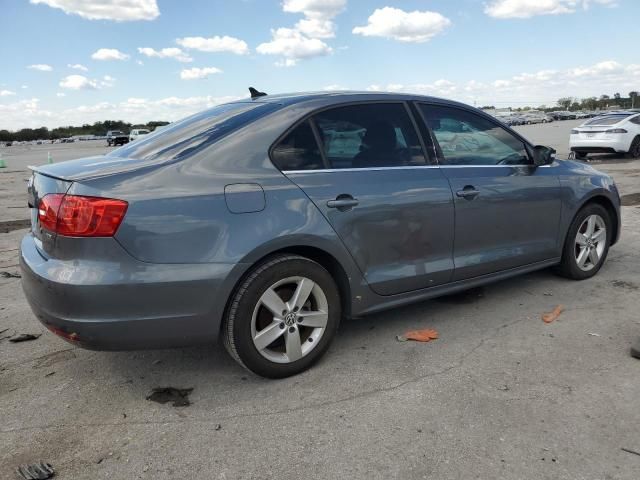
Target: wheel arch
<point>320,255</point>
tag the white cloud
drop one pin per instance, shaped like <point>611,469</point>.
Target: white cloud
<point>6,93</point>
<point>303,41</point>
<point>319,14</point>
<point>334,87</point>
<point>109,54</point>
<point>198,73</point>
<point>315,8</point>
<point>107,81</point>
<point>171,52</point>
<point>292,46</point>
<point>215,44</point>
<point>530,8</point>
<point>80,82</point>
<point>416,26</point>
<point>118,10</point>
<point>41,67</point>
<point>316,28</point>
<point>61,94</point>
<point>78,66</point>
<point>24,86</point>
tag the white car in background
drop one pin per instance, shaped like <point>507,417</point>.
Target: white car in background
<point>617,132</point>
<point>137,132</point>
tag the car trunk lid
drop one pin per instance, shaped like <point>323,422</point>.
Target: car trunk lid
<point>91,167</point>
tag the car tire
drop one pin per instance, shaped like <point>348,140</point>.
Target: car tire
<point>580,155</point>
<point>634,151</point>
<point>278,344</point>
<point>584,237</point>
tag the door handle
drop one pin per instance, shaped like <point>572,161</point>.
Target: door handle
<point>469,192</point>
<point>343,202</point>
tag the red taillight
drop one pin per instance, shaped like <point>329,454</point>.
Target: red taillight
<point>77,216</point>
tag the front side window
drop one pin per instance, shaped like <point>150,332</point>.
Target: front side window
<point>469,139</point>
<point>369,135</point>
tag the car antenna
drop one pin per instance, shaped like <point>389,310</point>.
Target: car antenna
<point>255,93</point>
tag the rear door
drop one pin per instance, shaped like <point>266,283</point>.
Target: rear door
<point>365,168</point>
<point>507,210</point>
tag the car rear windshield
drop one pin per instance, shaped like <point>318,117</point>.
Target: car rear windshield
<point>186,137</point>
<point>607,120</point>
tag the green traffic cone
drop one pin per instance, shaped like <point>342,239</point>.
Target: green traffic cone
<point>49,158</point>
<point>2,162</point>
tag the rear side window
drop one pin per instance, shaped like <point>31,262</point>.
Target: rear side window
<point>369,135</point>
<point>636,120</point>
<point>469,139</point>
<point>193,134</point>
<point>606,120</point>
<point>298,150</point>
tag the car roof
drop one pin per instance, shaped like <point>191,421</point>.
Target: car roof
<point>344,96</point>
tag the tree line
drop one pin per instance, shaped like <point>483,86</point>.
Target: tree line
<point>98,128</point>
<point>591,103</point>
<point>602,102</point>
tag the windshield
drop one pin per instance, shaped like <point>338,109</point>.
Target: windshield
<point>194,133</point>
<point>607,120</point>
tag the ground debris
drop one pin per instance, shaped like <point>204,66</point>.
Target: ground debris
<point>425,335</point>
<point>178,396</point>
<point>628,450</point>
<point>625,285</point>
<point>24,337</point>
<point>4,274</point>
<point>553,315</point>
<point>36,471</point>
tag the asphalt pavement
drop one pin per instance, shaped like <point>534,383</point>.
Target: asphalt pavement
<point>499,395</point>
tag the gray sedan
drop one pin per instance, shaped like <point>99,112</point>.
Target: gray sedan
<point>266,221</point>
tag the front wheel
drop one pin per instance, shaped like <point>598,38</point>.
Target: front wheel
<point>587,243</point>
<point>283,316</point>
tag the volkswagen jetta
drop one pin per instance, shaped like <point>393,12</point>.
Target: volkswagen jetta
<point>267,220</point>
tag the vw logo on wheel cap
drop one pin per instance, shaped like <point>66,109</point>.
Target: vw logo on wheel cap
<point>290,319</point>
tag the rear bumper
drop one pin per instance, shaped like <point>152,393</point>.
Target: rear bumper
<point>593,145</point>
<point>117,305</point>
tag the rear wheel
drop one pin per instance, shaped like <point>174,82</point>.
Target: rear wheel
<point>587,243</point>
<point>634,151</point>
<point>283,317</point>
<point>580,155</point>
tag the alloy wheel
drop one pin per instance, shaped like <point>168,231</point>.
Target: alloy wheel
<point>289,319</point>
<point>590,242</point>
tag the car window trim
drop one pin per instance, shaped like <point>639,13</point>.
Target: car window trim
<point>527,146</point>
<point>319,143</point>
<point>308,116</point>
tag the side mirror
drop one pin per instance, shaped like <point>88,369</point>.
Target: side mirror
<point>542,155</point>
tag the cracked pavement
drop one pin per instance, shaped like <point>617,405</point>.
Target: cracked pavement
<point>499,395</point>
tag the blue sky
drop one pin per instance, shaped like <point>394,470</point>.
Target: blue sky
<point>502,52</point>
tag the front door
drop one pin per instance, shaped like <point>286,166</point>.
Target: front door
<point>371,180</point>
<point>507,210</point>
